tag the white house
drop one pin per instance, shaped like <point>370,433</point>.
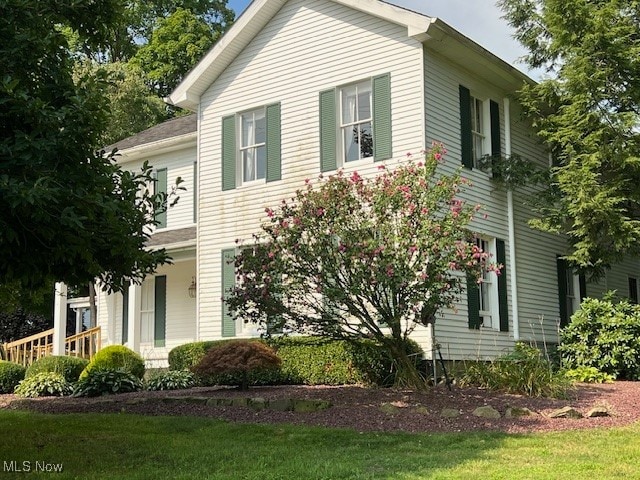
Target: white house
<point>288,93</point>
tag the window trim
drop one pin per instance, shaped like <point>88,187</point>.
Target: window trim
<point>342,161</point>
<point>493,312</point>
<point>240,182</point>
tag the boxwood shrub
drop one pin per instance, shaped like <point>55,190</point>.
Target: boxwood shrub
<point>605,335</point>
<point>69,367</point>
<point>10,375</point>
<point>116,357</point>
<point>306,360</point>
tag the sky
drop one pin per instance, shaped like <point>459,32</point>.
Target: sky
<point>477,19</point>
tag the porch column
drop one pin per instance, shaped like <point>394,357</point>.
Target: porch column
<point>59,318</point>
<point>134,309</point>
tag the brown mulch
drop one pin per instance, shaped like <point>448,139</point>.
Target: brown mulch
<point>359,408</point>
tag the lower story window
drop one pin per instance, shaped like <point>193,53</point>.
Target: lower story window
<point>488,289</point>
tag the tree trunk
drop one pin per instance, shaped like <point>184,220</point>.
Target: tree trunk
<point>93,309</point>
<point>407,375</point>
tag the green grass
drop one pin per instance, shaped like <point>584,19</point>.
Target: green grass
<point>137,447</point>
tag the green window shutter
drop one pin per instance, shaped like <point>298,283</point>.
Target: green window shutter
<point>503,306</point>
<point>228,282</point>
<point>561,265</point>
<point>582,281</point>
<point>473,303</point>
<point>633,290</point>
<point>494,113</point>
<point>125,316</point>
<point>466,138</point>
<point>195,192</point>
<point>274,162</point>
<point>382,148</point>
<point>161,187</point>
<point>328,131</point>
<point>160,311</point>
<point>229,152</point>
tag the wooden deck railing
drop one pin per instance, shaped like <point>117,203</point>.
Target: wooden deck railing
<point>27,350</point>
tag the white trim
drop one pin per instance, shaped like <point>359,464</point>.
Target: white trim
<point>160,146</point>
<point>513,276</point>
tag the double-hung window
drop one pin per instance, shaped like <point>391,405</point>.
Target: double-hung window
<point>479,130</point>
<point>356,121</point>
<point>487,299</point>
<point>251,147</point>
<point>572,289</point>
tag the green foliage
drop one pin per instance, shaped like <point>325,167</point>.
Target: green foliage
<point>103,380</point>
<point>171,380</point>
<point>10,375</point>
<point>44,384</point>
<point>116,357</point>
<point>176,45</point>
<point>588,375</point>
<point>388,253</point>
<point>586,112</point>
<point>604,335</point>
<point>524,371</point>
<point>52,176</point>
<point>309,361</point>
<point>69,367</point>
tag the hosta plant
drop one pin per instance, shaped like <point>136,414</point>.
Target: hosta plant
<point>45,384</point>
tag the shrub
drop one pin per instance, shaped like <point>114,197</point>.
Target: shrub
<point>171,380</point>
<point>10,375</point>
<point>44,384</point>
<point>100,381</point>
<point>69,367</point>
<point>524,371</point>
<point>307,360</point>
<point>604,335</point>
<point>117,357</point>
<point>588,375</point>
<point>238,358</point>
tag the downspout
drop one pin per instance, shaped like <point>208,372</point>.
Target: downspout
<point>512,228</point>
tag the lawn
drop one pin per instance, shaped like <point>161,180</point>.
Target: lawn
<point>128,446</point>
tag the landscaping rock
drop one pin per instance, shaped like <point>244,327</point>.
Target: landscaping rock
<point>135,401</point>
<point>196,400</point>
<point>303,405</point>
<point>240,402</point>
<point>422,410</point>
<point>515,412</point>
<point>257,403</point>
<point>449,413</point>
<point>599,411</point>
<point>565,412</point>
<point>280,405</point>
<point>389,409</point>
<point>486,412</point>
<point>219,402</point>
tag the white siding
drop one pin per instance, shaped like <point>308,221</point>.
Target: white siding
<point>179,163</point>
<point>308,47</point>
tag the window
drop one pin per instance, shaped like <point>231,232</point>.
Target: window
<point>487,301</point>
<point>251,147</point>
<point>479,130</point>
<point>572,289</point>
<point>355,122</point>
<point>633,290</point>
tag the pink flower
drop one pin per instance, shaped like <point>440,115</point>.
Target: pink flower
<point>269,212</point>
<point>320,212</point>
<point>355,177</point>
<point>437,156</point>
<point>306,181</point>
<point>381,167</point>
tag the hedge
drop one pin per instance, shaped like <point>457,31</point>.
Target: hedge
<point>10,375</point>
<point>306,361</point>
<point>69,367</point>
<point>116,357</point>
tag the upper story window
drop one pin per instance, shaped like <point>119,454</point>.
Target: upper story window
<point>251,146</point>
<point>355,122</point>
<point>479,130</point>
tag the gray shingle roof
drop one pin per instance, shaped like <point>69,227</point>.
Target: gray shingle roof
<point>172,236</point>
<point>171,128</point>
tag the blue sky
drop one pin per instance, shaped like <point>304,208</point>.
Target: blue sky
<point>477,19</point>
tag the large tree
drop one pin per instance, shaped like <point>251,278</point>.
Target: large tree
<point>67,211</point>
<point>588,112</point>
<point>353,257</point>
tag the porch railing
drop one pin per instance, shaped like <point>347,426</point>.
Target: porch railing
<point>27,350</point>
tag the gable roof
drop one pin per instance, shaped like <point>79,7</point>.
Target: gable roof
<point>174,127</point>
<point>252,21</point>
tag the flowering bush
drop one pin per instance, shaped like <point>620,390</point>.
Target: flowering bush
<point>356,257</point>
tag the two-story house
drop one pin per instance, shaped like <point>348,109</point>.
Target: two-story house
<point>301,87</point>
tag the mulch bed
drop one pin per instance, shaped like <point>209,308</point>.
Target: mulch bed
<point>359,408</point>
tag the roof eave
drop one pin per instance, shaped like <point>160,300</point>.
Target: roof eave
<point>157,147</point>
